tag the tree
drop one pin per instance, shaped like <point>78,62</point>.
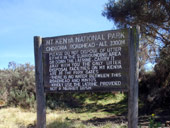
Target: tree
<point>153,18</point>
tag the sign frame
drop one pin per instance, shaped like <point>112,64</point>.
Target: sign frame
<point>133,47</point>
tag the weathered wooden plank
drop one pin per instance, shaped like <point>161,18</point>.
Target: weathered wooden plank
<point>97,61</point>
<point>133,88</point>
<point>40,95</point>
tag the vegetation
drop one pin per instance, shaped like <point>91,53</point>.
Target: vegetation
<point>17,85</point>
<point>153,19</point>
<point>99,117</point>
<point>152,16</point>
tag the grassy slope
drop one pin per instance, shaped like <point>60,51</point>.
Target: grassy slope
<point>82,117</point>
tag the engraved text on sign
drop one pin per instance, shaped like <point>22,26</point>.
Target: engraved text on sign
<point>93,61</point>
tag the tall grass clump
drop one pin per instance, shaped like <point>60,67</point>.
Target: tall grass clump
<point>17,85</point>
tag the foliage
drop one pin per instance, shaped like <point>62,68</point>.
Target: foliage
<point>152,16</point>
<point>162,67</point>
<point>153,19</point>
<point>154,87</point>
<point>17,85</point>
<point>152,123</point>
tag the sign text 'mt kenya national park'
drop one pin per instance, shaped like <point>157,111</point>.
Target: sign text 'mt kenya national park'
<point>96,61</point>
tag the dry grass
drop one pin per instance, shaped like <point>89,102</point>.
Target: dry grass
<point>12,117</point>
<point>17,118</point>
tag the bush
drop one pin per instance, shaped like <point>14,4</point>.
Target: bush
<point>154,87</point>
<point>17,85</point>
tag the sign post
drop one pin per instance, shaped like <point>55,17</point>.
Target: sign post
<point>133,87</point>
<point>40,94</point>
<point>97,61</point>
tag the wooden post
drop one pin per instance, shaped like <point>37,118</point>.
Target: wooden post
<point>40,95</point>
<point>133,88</point>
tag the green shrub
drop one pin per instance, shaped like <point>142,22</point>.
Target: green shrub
<point>17,85</point>
<point>154,86</point>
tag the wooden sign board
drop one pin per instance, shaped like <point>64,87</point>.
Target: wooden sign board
<point>96,61</point>
<point>99,61</point>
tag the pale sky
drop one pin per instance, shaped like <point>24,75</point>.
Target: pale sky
<point>21,20</point>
